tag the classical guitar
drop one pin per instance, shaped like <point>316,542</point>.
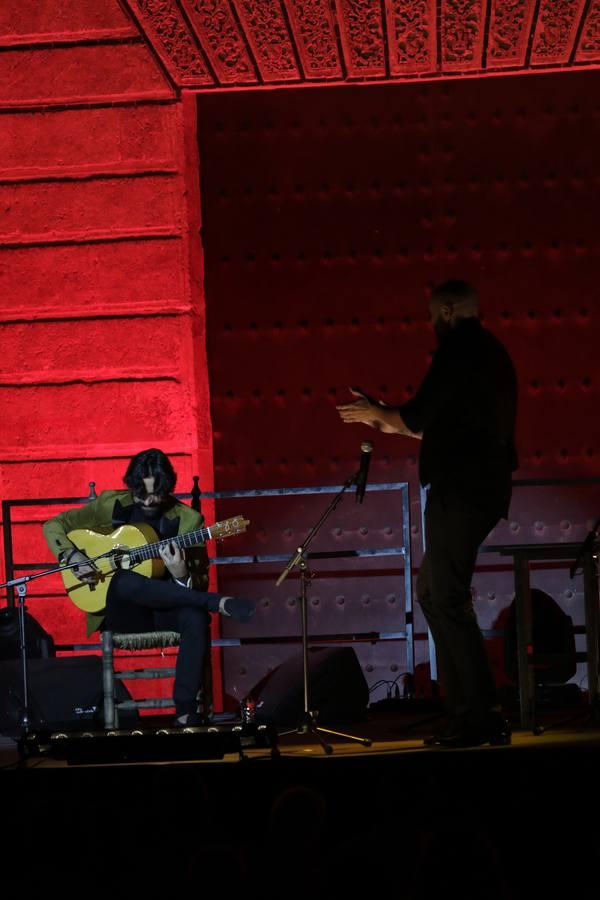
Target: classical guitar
<point>131,547</point>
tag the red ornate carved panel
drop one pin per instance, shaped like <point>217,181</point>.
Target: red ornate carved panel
<point>270,39</point>
<point>556,31</point>
<point>510,27</point>
<point>412,37</point>
<point>462,34</point>
<point>589,42</point>
<point>214,21</point>
<point>173,40</point>
<point>209,43</point>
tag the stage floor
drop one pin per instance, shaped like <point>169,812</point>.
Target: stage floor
<point>505,823</point>
<point>390,735</point>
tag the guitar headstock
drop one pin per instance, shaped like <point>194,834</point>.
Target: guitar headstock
<point>229,527</point>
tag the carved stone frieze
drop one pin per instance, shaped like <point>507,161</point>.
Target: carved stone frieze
<point>556,28</point>
<point>221,39</point>
<point>411,26</point>
<point>462,34</point>
<point>268,35</point>
<point>243,42</point>
<point>510,25</point>
<point>314,31</point>
<point>361,26</point>
<point>164,19</point>
<point>589,44</point>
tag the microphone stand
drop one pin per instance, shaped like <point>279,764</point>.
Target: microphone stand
<point>21,586</point>
<point>299,559</point>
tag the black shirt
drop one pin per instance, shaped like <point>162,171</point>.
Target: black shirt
<point>466,409</point>
<point>153,521</point>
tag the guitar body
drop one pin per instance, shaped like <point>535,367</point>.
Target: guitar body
<point>92,598</point>
<point>128,541</point>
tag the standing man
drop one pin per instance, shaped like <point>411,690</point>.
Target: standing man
<point>464,411</point>
<point>177,602</point>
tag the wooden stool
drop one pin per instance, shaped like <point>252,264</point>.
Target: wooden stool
<point>150,640</point>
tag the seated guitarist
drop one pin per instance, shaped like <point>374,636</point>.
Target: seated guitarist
<point>179,601</point>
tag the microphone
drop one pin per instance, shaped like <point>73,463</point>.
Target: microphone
<point>361,481</point>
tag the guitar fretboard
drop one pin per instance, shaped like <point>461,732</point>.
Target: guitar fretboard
<point>151,551</point>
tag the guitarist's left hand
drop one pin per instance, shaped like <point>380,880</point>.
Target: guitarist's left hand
<point>174,560</point>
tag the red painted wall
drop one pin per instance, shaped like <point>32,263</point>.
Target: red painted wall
<point>102,312</point>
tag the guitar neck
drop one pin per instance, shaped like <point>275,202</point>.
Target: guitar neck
<point>189,539</point>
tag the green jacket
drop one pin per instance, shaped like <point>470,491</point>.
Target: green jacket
<point>114,508</point>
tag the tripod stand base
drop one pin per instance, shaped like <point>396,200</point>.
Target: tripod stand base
<point>309,726</point>
<point>586,717</point>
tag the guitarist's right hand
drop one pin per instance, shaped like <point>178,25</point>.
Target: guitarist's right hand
<point>85,572</point>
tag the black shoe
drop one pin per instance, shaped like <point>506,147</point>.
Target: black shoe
<point>237,608</point>
<point>491,728</point>
<point>191,720</point>
<point>453,726</point>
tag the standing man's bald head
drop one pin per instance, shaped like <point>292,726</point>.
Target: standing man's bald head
<point>449,302</point>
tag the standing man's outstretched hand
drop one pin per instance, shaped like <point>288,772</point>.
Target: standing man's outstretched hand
<point>362,411</point>
<point>376,415</point>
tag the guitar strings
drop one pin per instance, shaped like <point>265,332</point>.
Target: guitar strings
<point>151,551</point>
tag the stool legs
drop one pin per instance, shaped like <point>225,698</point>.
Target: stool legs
<point>108,680</point>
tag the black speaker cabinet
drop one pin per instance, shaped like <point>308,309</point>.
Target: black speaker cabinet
<point>337,688</point>
<point>65,694</point>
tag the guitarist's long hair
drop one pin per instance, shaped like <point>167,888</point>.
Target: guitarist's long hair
<point>151,463</point>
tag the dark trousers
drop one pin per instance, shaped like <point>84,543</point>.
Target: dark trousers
<point>138,604</point>
<point>456,524</point>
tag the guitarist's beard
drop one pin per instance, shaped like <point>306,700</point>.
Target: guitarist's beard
<point>157,509</point>
<point>151,512</point>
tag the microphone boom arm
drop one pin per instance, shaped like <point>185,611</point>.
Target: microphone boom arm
<point>296,557</point>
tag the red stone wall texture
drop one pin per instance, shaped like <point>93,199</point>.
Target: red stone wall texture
<point>102,311</point>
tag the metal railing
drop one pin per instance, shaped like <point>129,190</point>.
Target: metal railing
<point>403,552</point>
<point>502,549</point>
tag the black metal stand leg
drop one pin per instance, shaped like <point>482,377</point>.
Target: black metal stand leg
<point>25,719</point>
<point>308,725</point>
<point>524,641</point>
<point>366,742</point>
<point>590,593</point>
